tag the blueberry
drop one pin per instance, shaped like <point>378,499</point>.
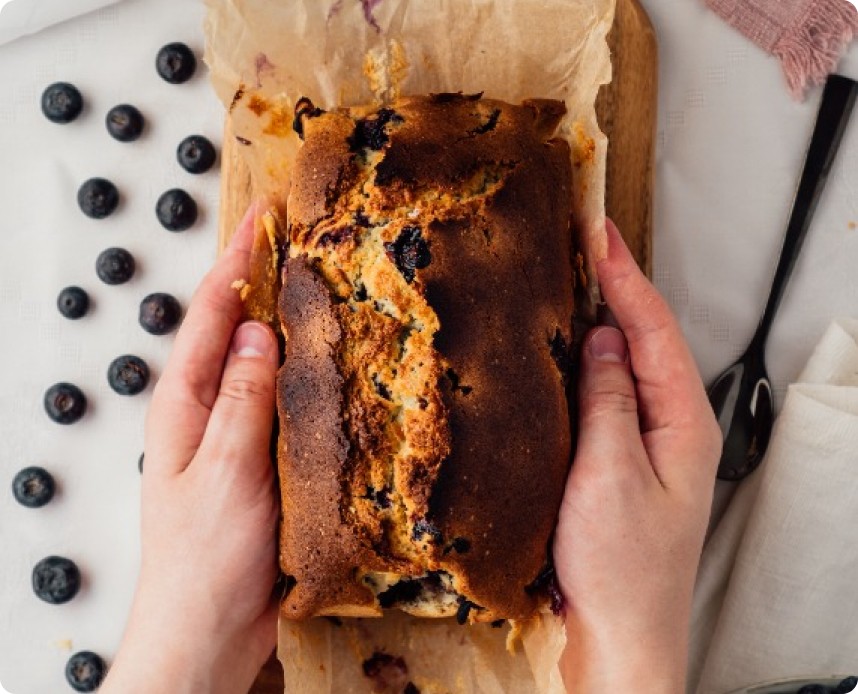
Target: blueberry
<point>85,671</point>
<point>98,198</point>
<point>196,154</point>
<point>115,266</point>
<point>847,685</point>
<point>423,527</point>
<point>124,123</point>
<point>73,302</point>
<point>405,590</point>
<point>159,313</point>
<point>304,109</point>
<point>176,63</point>
<point>128,375</point>
<point>409,252</point>
<point>561,353</point>
<point>33,487</point>
<point>56,580</point>
<point>370,132</point>
<point>465,607</point>
<point>546,581</point>
<point>61,102</point>
<point>176,210</point>
<point>380,497</point>
<point>813,689</point>
<point>64,403</point>
<point>460,545</point>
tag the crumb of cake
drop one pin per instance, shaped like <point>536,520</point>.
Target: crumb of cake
<point>514,635</point>
<point>243,288</point>
<point>385,69</point>
<point>398,67</point>
<point>270,226</point>
<point>373,70</point>
<point>853,225</point>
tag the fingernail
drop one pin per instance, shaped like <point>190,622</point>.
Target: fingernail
<point>252,339</point>
<point>608,344</point>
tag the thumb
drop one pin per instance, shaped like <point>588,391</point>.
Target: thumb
<point>242,416</point>
<point>609,432</point>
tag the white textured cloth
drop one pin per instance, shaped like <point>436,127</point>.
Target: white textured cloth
<point>21,17</point>
<point>776,595</point>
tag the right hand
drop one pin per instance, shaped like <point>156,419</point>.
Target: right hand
<point>638,497</point>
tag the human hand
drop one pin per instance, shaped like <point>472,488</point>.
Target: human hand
<point>203,617</point>
<point>638,497</point>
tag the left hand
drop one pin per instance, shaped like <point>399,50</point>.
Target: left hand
<point>204,617</point>
<point>637,500</point>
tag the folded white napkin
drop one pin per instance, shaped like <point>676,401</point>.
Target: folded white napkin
<point>777,591</point>
<point>22,17</point>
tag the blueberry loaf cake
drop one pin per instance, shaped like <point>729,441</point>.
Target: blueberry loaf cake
<point>426,305</point>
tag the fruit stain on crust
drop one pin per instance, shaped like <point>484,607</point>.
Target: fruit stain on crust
<point>387,672</point>
<point>585,147</point>
<point>280,115</point>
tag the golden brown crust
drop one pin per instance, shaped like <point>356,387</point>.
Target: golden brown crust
<point>427,307</point>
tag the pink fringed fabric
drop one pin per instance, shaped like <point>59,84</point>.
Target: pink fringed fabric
<point>808,36</point>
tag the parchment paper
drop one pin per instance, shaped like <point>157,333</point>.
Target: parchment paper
<point>266,54</point>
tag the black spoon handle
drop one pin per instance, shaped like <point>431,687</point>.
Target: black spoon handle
<point>838,98</point>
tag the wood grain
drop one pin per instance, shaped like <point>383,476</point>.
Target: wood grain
<point>627,114</point>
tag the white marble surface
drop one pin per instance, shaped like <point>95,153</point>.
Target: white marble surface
<point>730,148</point>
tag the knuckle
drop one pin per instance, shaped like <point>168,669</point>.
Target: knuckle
<point>242,388</point>
<point>212,299</point>
<point>609,400</point>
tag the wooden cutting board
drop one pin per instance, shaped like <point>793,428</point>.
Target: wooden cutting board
<point>627,114</point>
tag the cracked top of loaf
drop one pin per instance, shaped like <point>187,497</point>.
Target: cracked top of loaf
<point>427,306</point>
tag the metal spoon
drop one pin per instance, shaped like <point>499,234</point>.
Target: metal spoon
<point>742,395</point>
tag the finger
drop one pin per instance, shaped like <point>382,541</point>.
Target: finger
<point>182,400</point>
<point>240,425</point>
<point>609,438</point>
<point>674,409</point>
<point>669,385</point>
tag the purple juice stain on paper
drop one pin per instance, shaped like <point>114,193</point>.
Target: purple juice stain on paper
<point>368,8</point>
<point>263,65</point>
<point>335,8</point>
